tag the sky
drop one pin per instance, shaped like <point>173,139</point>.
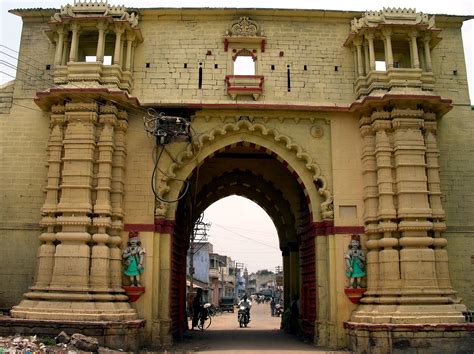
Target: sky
<point>240,228</point>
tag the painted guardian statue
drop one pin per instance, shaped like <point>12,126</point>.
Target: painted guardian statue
<point>133,257</point>
<point>355,262</point>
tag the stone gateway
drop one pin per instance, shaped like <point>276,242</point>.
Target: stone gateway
<point>133,121</point>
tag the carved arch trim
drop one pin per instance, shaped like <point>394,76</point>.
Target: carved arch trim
<point>191,153</point>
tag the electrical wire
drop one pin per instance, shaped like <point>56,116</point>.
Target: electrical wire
<point>130,107</point>
<point>248,238</point>
<point>153,187</point>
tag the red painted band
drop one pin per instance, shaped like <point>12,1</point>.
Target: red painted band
<point>139,227</point>
<point>164,226</point>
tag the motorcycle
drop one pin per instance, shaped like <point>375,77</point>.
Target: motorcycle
<point>278,310</point>
<point>243,316</point>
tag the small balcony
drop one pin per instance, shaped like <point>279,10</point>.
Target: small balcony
<point>394,80</point>
<point>93,74</point>
<point>244,85</point>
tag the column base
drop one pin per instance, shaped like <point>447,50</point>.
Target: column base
<point>409,314</point>
<point>75,311</point>
<point>123,335</point>
<point>404,338</point>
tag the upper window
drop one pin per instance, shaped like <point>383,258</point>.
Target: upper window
<point>244,65</point>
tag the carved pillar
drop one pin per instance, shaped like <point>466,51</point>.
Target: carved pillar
<point>128,60</point>
<point>389,274</point>
<point>426,41</point>
<point>360,62</point>
<point>72,258</point>
<point>74,42</point>
<point>116,200</point>
<point>101,26</point>
<point>387,33</point>
<point>118,45</point>
<point>100,266</point>
<point>66,49</point>
<point>415,61</point>
<point>354,57</point>
<point>47,249</point>
<point>416,258</point>
<point>438,214</point>
<point>371,202</point>
<point>59,46</point>
<point>370,40</point>
<point>366,58</point>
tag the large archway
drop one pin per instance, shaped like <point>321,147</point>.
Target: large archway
<point>254,172</point>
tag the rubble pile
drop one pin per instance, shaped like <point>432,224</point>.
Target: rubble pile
<point>61,344</point>
<point>21,344</point>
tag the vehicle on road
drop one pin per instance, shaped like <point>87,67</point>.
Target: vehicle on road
<point>205,318</point>
<point>227,304</point>
<point>243,316</point>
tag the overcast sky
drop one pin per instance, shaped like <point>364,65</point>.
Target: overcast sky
<point>240,228</point>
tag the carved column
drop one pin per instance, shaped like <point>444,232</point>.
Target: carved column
<point>74,42</point>
<point>128,60</point>
<point>116,199</point>
<point>66,49</point>
<point>102,27</point>
<point>118,45</point>
<point>100,267</point>
<point>360,62</point>
<point>59,46</point>
<point>370,40</point>
<point>371,201</point>
<point>366,58</point>
<point>389,274</point>
<point>415,61</point>
<point>47,249</point>
<point>387,33</point>
<point>416,257</point>
<point>438,214</point>
<point>72,258</point>
<point>426,41</point>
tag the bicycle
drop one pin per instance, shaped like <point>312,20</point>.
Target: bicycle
<point>204,319</point>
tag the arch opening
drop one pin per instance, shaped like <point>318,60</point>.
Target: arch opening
<point>251,172</point>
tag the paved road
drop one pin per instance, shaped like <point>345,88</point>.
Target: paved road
<point>262,335</point>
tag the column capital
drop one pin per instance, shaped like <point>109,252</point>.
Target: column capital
<point>387,32</point>
<point>413,34</point>
<point>130,36</point>
<point>119,28</point>
<point>407,123</point>
<point>366,130</point>
<point>75,27</point>
<point>381,125</point>
<point>358,41</point>
<point>102,25</point>
<point>369,35</point>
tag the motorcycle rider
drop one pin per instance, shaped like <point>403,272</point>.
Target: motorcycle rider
<point>246,304</point>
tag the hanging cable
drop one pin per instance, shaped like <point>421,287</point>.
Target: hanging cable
<point>153,176</point>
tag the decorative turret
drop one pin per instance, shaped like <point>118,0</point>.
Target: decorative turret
<point>392,51</point>
<point>100,61</point>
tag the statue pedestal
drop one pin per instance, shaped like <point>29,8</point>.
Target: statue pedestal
<point>133,292</point>
<point>355,294</point>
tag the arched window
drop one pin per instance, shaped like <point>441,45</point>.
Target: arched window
<point>244,62</point>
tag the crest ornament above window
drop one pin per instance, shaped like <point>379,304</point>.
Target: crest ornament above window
<point>245,30</point>
<point>245,27</point>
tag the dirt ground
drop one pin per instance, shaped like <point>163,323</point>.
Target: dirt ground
<point>263,335</point>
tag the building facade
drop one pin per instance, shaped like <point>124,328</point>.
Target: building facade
<point>350,123</point>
